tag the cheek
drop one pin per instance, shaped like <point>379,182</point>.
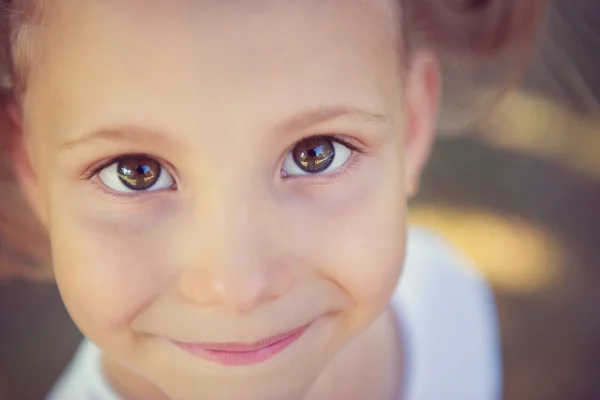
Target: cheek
<point>369,261</point>
<point>370,255</point>
<point>359,245</point>
<point>106,276</point>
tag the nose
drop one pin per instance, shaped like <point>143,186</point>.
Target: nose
<point>237,263</point>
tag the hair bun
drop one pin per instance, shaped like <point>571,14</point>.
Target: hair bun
<point>472,27</point>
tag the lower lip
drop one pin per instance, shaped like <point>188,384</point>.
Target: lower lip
<point>242,357</point>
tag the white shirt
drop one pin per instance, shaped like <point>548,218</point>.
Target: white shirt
<point>448,317</point>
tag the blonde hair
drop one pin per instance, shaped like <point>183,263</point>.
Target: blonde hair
<point>458,30</point>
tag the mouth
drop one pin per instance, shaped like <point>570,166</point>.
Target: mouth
<point>243,354</point>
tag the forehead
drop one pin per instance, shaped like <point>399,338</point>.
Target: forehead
<point>210,51</point>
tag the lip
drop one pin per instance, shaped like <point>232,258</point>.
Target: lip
<point>243,354</point>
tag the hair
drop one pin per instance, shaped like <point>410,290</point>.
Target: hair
<point>460,31</point>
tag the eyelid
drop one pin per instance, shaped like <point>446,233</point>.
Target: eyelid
<point>92,175</point>
<point>346,142</point>
<point>97,167</point>
<point>354,145</point>
<point>357,153</point>
<point>126,198</point>
<point>323,179</point>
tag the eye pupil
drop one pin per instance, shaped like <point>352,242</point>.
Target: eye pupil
<point>314,155</point>
<point>138,172</point>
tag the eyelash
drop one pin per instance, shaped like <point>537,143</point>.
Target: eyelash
<point>340,140</point>
<point>343,170</point>
<point>95,170</point>
<point>98,167</point>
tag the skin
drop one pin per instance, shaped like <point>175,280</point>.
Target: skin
<point>219,93</point>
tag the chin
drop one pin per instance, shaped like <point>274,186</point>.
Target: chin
<point>292,388</point>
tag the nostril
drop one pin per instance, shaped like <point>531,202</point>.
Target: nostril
<point>195,287</point>
<point>241,293</point>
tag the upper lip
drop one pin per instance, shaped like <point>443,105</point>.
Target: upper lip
<point>244,347</point>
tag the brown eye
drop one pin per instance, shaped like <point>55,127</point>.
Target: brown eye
<point>314,154</point>
<point>136,173</point>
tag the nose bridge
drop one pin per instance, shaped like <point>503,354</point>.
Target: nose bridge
<point>230,236</point>
<point>231,210</point>
<point>236,264</point>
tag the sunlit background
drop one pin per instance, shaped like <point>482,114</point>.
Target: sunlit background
<point>520,196</point>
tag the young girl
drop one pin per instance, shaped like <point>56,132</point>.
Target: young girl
<point>224,186</point>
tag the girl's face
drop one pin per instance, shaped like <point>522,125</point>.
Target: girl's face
<point>218,173</point>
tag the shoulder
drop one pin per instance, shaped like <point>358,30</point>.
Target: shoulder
<point>431,262</point>
<point>83,379</point>
<point>450,318</point>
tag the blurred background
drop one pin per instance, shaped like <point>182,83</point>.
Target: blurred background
<point>519,194</point>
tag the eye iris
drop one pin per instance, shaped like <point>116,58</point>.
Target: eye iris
<point>314,155</point>
<point>138,173</point>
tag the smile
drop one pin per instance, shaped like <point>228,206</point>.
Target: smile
<point>243,354</point>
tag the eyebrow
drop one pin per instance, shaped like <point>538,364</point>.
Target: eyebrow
<point>118,134</point>
<point>297,122</point>
<point>321,115</point>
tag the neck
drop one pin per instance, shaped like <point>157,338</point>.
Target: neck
<point>371,366</point>
<point>129,385</point>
